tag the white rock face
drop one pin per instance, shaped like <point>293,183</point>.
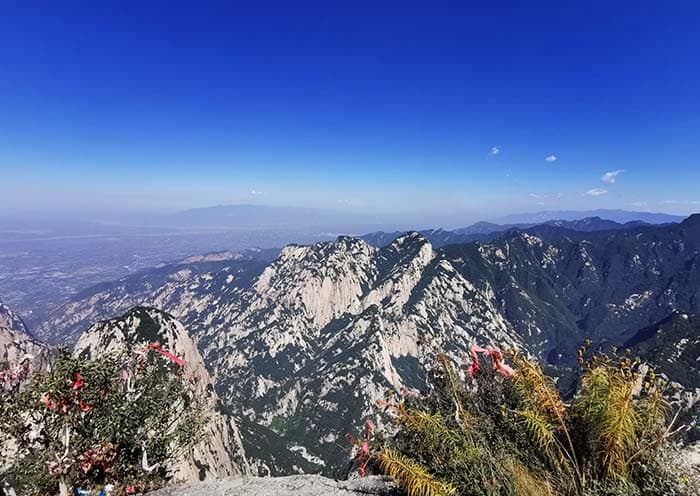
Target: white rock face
<point>327,330</point>
<point>306,345</point>
<point>9,320</point>
<point>16,345</point>
<point>20,357</point>
<point>220,452</point>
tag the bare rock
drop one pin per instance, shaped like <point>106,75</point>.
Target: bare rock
<point>296,485</point>
<point>18,347</point>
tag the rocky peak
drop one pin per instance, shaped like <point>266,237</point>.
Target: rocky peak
<point>17,346</point>
<point>400,266</point>
<point>324,280</point>
<point>136,329</point>
<point>412,237</point>
<point>220,451</point>
<point>351,243</point>
<point>692,221</point>
<point>10,321</point>
<point>410,244</point>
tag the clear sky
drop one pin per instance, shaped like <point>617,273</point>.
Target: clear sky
<point>468,108</point>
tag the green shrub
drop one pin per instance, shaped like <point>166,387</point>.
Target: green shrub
<point>87,423</point>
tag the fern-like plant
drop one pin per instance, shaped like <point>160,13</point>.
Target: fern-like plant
<point>491,435</point>
<point>415,478</point>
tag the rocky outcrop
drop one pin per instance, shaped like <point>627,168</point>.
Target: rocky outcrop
<point>10,321</point>
<point>298,485</point>
<point>18,349</point>
<point>220,452</point>
<point>21,356</point>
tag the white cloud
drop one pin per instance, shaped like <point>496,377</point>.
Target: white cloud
<point>596,192</point>
<point>495,150</point>
<point>535,196</point>
<point>551,158</point>
<point>611,177</point>
<point>669,202</point>
<point>255,192</point>
<point>638,204</point>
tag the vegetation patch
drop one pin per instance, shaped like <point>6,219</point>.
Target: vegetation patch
<point>116,422</point>
<point>501,433</point>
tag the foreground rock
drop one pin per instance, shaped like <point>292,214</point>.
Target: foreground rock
<point>296,485</point>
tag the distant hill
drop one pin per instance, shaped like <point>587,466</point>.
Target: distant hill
<point>266,217</point>
<point>590,224</point>
<point>437,237</point>
<point>621,216</point>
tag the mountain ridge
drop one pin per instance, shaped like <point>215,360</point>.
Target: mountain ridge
<point>487,231</point>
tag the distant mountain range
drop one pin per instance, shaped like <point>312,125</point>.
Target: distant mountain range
<point>263,216</point>
<point>304,346</point>
<point>487,231</point>
<point>620,216</point>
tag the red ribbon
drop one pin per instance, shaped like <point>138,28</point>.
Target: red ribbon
<point>173,358</point>
<point>61,404</point>
<point>77,382</point>
<point>362,455</point>
<point>496,358</point>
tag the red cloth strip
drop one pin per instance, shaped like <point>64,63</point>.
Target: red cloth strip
<point>173,358</point>
<point>495,355</point>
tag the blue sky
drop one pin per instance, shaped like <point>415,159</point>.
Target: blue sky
<point>433,108</point>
